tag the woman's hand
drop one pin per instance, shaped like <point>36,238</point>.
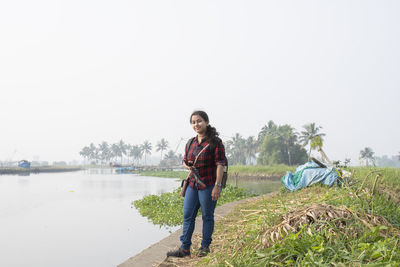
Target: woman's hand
<point>216,192</point>
<point>186,166</point>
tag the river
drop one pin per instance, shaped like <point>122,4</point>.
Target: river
<point>76,219</point>
<point>82,218</point>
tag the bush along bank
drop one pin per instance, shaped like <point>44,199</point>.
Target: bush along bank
<point>166,209</point>
<point>166,174</point>
<point>356,224</point>
<point>27,171</point>
<point>235,171</point>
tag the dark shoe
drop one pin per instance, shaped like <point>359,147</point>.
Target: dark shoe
<point>203,251</point>
<point>180,253</point>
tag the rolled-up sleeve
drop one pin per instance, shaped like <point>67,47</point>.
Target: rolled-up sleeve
<point>220,158</point>
<point>185,156</point>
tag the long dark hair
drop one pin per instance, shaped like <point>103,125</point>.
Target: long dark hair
<point>211,132</point>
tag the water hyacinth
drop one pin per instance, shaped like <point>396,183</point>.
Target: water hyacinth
<point>167,209</point>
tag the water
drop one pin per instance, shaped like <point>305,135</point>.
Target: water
<point>76,219</point>
<point>257,186</point>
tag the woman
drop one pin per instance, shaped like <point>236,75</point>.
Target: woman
<point>205,155</point>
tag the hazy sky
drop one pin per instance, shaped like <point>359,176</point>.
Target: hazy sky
<point>76,72</point>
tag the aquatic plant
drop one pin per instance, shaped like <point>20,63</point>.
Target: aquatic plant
<point>167,209</point>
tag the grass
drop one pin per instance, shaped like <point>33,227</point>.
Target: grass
<point>167,174</point>
<point>277,170</point>
<point>357,224</point>
<point>266,170</point>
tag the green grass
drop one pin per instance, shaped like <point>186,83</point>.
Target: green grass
<point>166,174</point>
<point>167,209</point>
<point>266,170</point>
<point>391,176</point>
<point>238,238</point>
<point>276,170</point>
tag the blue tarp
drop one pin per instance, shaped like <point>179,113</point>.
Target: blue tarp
<point>24,164</point>
<point>308,174</point>
<point>123,169</point>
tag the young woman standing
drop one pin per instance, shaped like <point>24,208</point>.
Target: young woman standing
<point>205,156</point>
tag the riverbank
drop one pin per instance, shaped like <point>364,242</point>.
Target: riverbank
<point>155,254</point>
<point>17,170</point>
<point>355,224</point>
<point>273,173</point>
<point>352,225</point>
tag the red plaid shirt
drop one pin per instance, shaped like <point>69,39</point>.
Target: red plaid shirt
<point>206,163</point>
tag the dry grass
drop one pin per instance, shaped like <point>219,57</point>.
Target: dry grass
<point>344,218</point>
<point>322,217</point>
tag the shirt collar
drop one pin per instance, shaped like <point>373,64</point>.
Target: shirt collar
<point>203,141</point>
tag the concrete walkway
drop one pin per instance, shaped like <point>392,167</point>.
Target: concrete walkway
<point>156,253</point>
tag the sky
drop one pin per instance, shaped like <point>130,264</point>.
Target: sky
<point>77,72</point>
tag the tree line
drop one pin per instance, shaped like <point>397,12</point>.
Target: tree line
<point>367,157</point>
<point>125,153</point>
<point>274,144</point>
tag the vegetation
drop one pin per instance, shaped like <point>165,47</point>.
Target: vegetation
<point>171,159</point>
<point>240,150</point>
<point>125,153</point>
<point>166,209</point>
<point>274,145</point>
<point>280,146</point>
<point>309,135</point>
<point>353,225</point>
<point>242,170</point>
<point>167,174</point>
<point>265,170</point>
<point>367,155</point>
<point>146,148</point>
<point>385,161</point>
<point>38,169</point>
<point>161,146</point>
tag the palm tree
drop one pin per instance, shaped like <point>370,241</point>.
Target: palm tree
<point>311,131</point>
<point>93,152</point>
<point>367,154</point>
<point>122,148</point>
<point>269,128</point>
<point>170,158</point>
<point>128,148</point>
<point>136,152</point>
<point>146,147</point>
<point>289,138</point>
<point>317,143</point>
<point>85,152</point>
<point>251,148</point>
<point>236,149</point>
<point>161,146</point>
<point>116,151</point>
<point>104,151</point>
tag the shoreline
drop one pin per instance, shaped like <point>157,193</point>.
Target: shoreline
<point>19,171</point>
<point>155,254</point>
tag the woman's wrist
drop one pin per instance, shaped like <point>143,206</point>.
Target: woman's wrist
<point>218,184</point>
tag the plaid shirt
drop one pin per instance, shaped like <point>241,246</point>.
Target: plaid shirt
<point>206,163</point>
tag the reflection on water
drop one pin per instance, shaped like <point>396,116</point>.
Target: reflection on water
<point>99,171</point>
<point>75,219</point>
<point>257,186</point>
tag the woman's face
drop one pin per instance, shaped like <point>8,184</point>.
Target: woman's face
<point>199,125</point>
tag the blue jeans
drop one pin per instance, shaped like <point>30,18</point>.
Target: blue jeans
<point>194,199</point>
